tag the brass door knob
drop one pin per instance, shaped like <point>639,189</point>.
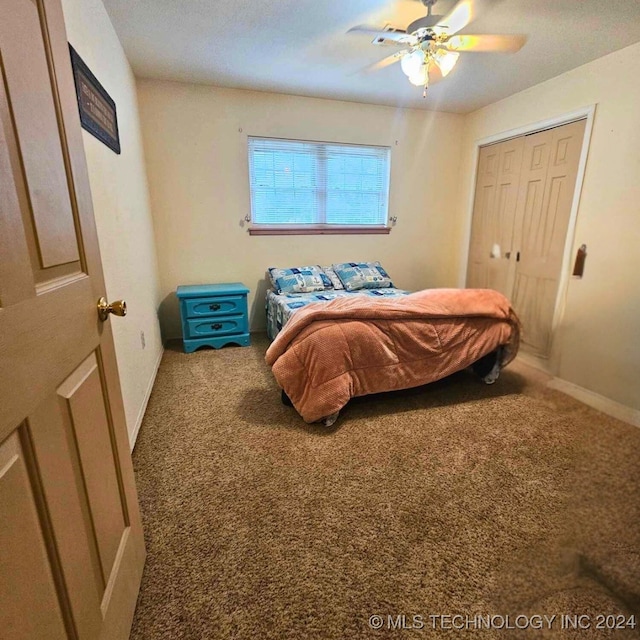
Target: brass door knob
<point>117,308</point>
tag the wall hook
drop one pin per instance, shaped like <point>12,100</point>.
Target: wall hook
<point>578,267</point>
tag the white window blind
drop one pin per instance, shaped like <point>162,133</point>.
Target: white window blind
<point>318,183</point>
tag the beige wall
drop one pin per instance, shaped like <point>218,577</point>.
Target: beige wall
<point>597,346</point>
<point>121,205</point>
<point>196,149</point>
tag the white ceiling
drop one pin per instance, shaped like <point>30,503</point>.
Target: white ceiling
<point>302,47</point>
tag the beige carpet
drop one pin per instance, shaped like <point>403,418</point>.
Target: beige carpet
<point>452,499</point>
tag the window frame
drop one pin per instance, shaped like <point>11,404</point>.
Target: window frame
<point>261,229</point>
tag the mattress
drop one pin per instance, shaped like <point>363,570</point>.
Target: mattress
<point>280,307</point>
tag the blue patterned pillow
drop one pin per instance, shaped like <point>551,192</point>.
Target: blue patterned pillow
<point>362,275</point>
<point>299,279</point>
<point>333,276</point>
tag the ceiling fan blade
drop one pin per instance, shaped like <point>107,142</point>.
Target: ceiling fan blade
<point>485,43</point>
<point>385,62</point>
<point>461,15</point>
<point>385,34</point>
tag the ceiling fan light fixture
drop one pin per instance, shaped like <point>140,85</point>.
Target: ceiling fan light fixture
<point>446,60</point>
<point>411,63</point>
<point>421,77</point>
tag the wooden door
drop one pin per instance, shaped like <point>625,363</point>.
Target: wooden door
<point>71,544</point>
<point>549,172</point>
<point>494,213</point>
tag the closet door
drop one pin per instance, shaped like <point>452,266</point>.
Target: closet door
<point>494,217</point>
<point>547,183</point>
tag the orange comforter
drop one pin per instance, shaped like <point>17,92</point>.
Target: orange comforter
<point>353,346</point>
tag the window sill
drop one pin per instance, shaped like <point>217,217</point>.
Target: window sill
<point>310,230</point>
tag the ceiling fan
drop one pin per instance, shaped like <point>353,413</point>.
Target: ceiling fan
<point>433,47</point>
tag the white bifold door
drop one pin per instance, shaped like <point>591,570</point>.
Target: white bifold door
<point>523,200</point>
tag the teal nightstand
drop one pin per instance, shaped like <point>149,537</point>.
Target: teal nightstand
<point>214,315</point>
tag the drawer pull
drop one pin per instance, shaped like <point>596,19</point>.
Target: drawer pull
<point>214,307</point>
<point>216,326</point>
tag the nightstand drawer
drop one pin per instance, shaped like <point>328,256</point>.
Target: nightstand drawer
<point>216,326</point>
<point>218,306</point>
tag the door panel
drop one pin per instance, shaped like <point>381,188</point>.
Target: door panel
<point>72,552</point>
<point>478,268</point>
<point>36,126</point>
<point>532,298</point>
<point>30,605</point>
<point>548,181</point>
<point>83,404</point>
<point>55,448</point>
<point>494,216</point>
<point>16,278</point>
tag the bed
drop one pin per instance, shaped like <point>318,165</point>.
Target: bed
<point>332,345</point>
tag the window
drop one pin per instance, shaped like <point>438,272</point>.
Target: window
<point>317,187</point>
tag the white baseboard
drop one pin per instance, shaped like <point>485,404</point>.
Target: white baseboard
<point>147,395</point>
<point>595,400</point>
<point>534,361</point>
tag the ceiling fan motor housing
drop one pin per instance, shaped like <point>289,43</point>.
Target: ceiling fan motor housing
<point>423,23</point>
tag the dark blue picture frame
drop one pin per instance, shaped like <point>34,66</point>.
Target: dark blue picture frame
<point>98,113</point>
